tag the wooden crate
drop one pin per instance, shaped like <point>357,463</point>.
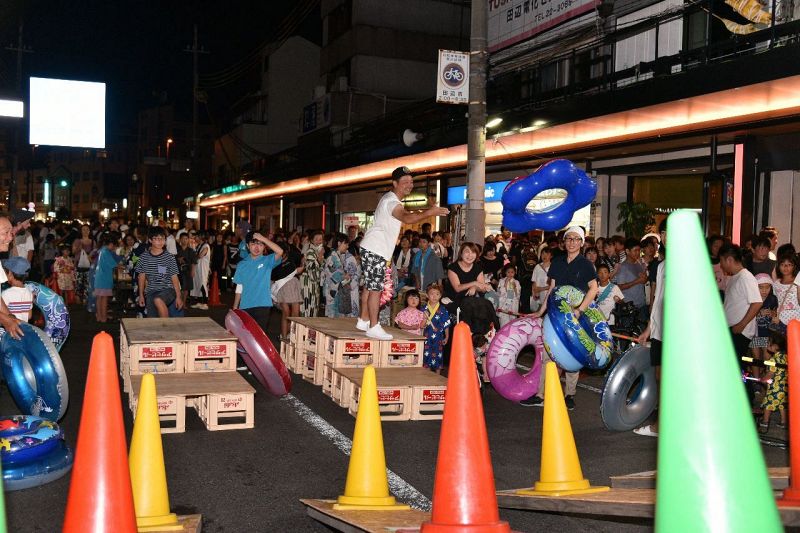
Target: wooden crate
<point>211,356</point>
<point>157,358</point>
<point>401,353</point>
<point>297,332</point>
<point>340,393</point>
<point>171,412</point>
<point>427,402</point>
<point>353,353</point>
<point>224,400</point>
<point>226,411</point>
<point>327,379</point>
<point>394,395</point>
<point>312,368</point>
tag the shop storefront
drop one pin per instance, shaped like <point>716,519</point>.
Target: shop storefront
<point>494,209</point>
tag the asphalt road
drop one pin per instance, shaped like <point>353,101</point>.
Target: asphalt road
<point>251,480</point>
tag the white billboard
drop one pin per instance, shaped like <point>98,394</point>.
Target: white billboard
<point>512,21</point>
<point>67,113</point>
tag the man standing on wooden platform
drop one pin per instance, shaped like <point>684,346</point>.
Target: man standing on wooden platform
<point>378,244</point>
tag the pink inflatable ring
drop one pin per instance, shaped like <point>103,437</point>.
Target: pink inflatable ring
<point>258,353</point>
<point>501,359</point>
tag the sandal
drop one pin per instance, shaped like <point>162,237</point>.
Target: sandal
<point>646,431</point>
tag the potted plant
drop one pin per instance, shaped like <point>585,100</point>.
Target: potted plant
<point>634,218</point>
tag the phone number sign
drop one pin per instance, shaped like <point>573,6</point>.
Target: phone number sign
<point>452,80</point>
<point>512,21</point>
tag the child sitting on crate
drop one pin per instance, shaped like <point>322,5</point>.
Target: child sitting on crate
<point>18,298</point>
<point>437,329</point>
<point>776,397</point>
<point>411,319</point>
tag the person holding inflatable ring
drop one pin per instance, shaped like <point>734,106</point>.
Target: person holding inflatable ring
<point>8,321</point>
<point>575,270</point>
<point>655,326</point>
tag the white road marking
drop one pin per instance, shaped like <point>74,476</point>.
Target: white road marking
<point>399,487</point>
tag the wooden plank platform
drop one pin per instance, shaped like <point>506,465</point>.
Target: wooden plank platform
<point>365,521</point>
<point>197,384</point>
<point>345,328</point>
<point>778,476</point>
<point>150,330</point>
<point>637,503</point>
<point>396,377</point>
<point>192,523</point>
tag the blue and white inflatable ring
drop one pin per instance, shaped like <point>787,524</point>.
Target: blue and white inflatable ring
<point>34,373</point>
<point>56,315</point>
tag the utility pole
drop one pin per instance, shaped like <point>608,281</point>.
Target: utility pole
<point>12,182</point>
<point>476,125</point>
<point>195,50</point>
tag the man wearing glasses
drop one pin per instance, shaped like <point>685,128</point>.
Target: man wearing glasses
<point>569,269</point>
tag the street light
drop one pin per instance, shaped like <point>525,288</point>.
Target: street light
<point>169,142</point>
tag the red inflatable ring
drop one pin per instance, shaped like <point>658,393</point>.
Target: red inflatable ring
<point>258,353</point>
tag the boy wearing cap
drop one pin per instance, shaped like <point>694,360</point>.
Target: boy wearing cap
<point>569,269</point>
<point>378,245</point>
<point>18,298</point>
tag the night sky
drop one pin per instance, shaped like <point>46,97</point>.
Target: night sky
<point>137,48</point>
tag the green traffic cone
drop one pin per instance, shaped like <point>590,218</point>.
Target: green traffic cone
<point>711,471</point>
<point>2,504</point>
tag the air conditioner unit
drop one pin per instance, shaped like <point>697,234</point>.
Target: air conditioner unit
<point>341,84</point>
<point>319,92</point>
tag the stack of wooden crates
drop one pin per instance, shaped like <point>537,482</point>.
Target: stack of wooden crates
<point>194,362</point>
<point>332,353</point>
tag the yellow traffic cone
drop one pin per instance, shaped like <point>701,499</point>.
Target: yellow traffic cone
<point>367,486</point>
<point>146,459</point>
<point>560,472</point>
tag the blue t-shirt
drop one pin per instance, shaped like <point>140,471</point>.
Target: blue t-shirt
<point>104,273</point>
<point>254,276</point>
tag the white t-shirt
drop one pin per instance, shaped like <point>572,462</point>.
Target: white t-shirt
<point>171,247</point>
<point>741,292</point>
<point>539,279</point>
<point>606,305</point>
<point>382,236</point>
<point>657,313</point>
<point>23,243</point>
<point>19,301</point>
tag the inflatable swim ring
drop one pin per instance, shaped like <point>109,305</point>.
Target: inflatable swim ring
<point>91,300</point>
<point>588,338</point>
<point>630,393</point>
<point>56,314</point>
<point>555,174</point>
<point>35,374</point>
<point>501,359</point>
<point>556,349</point>
<point>258,353</point>
<point>24,438</point>
<point>45,469</point>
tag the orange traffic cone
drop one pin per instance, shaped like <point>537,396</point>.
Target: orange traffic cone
<point>100,497</point>
<point>463,489</point>
<point>213,293</point>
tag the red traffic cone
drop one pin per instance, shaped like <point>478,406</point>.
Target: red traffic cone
<point>463,489</point>
<point>100,498</point>
<point>213,293</point>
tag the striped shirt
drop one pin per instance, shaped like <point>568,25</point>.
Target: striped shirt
<point>19,301</point>
<point>158,270</point>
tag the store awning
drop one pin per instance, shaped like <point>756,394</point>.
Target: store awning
<point>741,105</point>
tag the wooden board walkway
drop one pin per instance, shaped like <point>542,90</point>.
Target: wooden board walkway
<point>778,476</point>
<point>365,521</point>
<point>636,503</point>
